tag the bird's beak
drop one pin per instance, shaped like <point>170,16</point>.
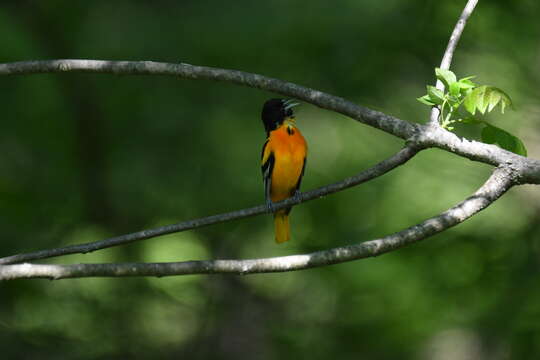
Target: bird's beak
<point>286,101</point>
<point>290,105</point>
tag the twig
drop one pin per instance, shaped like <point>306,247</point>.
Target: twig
<point>387,123</point>
<point>381,168</point>
<point>498,183</point>
<point>450,48</point>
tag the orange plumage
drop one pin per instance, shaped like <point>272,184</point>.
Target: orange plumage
<point>283,160</point>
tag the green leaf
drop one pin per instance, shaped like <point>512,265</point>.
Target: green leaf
<point>489,135</point>
<point>481,98</point>
<point>494,135</point>
<point>455,89</point>
<point>485,98</point>
<point>520,147</point>
<point>446,76</point>
<point>425,100</point>
<point>474,100</point>
<point>492,97</point>
<point>465,83</point>
<point>504,139</point>
<point>466,92</point>
<point>435,95</point>
<point>468,79</point>
<point>497,96</point>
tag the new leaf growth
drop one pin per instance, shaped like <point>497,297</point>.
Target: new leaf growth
<point>473,97</point>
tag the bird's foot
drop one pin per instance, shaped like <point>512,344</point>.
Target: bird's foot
<point>297,196</point>
<point>270,206</point>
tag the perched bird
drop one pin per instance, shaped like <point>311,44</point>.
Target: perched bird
<point>283,160</point>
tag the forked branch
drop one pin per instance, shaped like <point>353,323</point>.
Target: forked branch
<point>421,135</point>
<point>510,169</point>
<point>498,183</point>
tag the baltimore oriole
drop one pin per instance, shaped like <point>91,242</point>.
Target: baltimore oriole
<point>283,160</point>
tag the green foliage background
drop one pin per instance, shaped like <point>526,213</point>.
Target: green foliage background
<point>84,157</point>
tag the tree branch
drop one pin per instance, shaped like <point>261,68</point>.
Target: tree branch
<point>449,52</point>
<point>381,168</point>
<point>387,123</point>
<point>511,169</point>
<point>422,135</point>
<point>498,183</point>
<point>456,33</point>
<point>525,170</point>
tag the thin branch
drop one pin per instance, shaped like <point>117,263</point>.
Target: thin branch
<point>387,123</point>
<point>423,136</point>
<point>526,170</point>
<point>381,168</point>
<point>450,48</point>
<point>498,183</point>
<point>456,34</point>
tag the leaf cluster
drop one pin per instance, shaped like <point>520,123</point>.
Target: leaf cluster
<point>465,93</point>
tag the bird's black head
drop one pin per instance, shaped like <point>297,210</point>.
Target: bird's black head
<point>275,111</point>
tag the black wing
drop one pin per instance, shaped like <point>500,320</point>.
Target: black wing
<point>267,169</point>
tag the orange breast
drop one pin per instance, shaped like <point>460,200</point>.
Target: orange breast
<point>290,150</point>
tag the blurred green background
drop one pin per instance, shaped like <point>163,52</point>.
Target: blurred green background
<point>88,156</point>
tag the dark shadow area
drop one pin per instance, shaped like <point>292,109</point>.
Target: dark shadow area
<point>86,156</point>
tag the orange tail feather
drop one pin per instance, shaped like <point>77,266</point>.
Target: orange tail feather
<point>281,224</point>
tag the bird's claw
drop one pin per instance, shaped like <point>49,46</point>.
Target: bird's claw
<point>270,206</point>
<point>297,196</point>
